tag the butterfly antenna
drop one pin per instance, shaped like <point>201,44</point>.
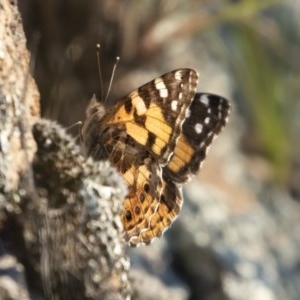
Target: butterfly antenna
<point>112,77</point>
<point>79,134</point>
<point>79,123</point>
<point>99,69</point>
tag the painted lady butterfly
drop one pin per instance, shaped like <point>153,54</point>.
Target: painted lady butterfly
<point>157,137</point>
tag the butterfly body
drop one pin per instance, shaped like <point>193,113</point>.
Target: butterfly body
<point>156,137</point>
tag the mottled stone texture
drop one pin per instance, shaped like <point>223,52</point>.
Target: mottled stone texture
<point>60,230</point>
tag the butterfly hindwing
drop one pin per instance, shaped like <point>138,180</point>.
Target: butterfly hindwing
<point>152,203</point>
<point>205,118</point>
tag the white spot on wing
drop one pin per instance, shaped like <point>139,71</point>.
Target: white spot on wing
<point>174,105</point>
<point>206,120</point>
<point>178,75</point>
<point>163,93</point>
<point>139,104</point>
<point>159,84</point>
<point>204,99</point>
<point>187,113</point>
<point>161,87</point>
<point>180,96</point>
<point>210,134</point>
<point>198,128</point>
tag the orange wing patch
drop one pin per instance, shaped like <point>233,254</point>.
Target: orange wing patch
<point>144,123</point>
<point>182,156</point>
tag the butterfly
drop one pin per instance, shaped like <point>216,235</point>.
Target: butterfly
<point>157,138</point>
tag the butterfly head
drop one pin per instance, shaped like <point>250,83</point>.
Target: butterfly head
<point>90,128</point>
<point>95,108</point>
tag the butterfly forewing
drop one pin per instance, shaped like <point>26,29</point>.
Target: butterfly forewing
<point>157,137</point>
<point>153,114</point>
